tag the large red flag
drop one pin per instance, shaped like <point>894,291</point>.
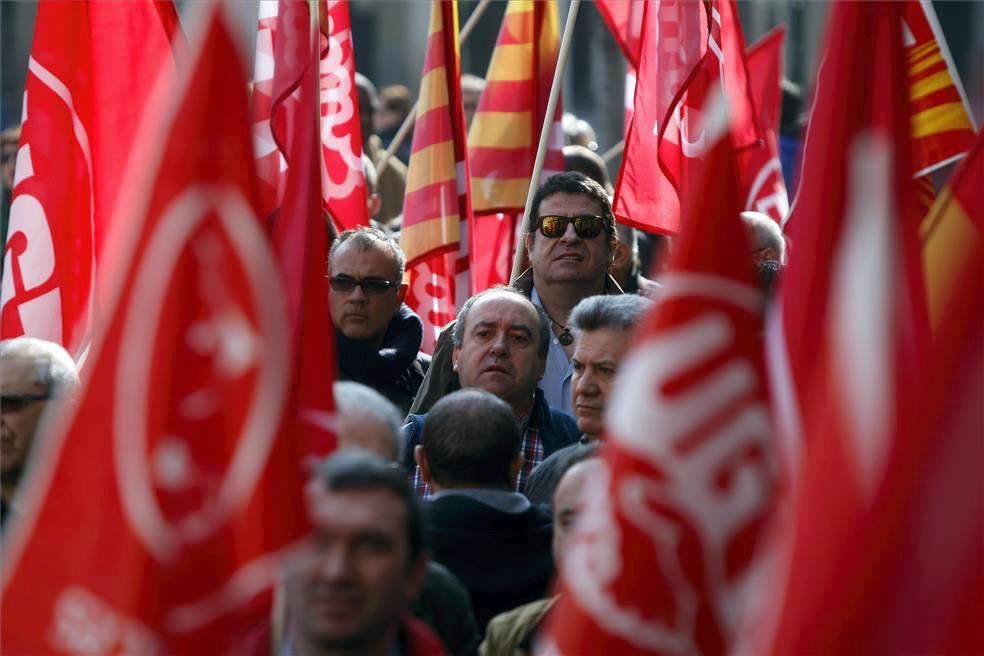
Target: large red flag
<point>436,206</point>
<point>155,514</point>
<point>624,20</point>
<point>298,229</point>
<point>670,529</point>
<point>863,69</point>
<point>91,70</point>
<point>761,169</point>
<point>885,546</point>
<point>688,49</point>
<point>343,181</point>
<point>505,133</point>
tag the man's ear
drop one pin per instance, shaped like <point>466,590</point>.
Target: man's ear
<point>528,242</point>
<point>454,358</point>
<point>621,255</point>
<point>401,292</point>
<point>421,459</point>
<point>515,468</point>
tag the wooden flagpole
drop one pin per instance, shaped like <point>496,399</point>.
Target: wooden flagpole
<point>408,122</point>
<point>541,153</point>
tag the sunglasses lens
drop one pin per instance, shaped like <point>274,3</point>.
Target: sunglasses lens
<point>375,287</point>
<point>587,227</point>
<point>342,284</point>
<point>553,226</point>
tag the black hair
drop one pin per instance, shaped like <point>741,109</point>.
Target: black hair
<point>573,182</point>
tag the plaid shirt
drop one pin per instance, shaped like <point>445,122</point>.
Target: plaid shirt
<point>531,448</point>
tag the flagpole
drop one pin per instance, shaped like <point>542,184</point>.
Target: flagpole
<point>613,152</point>
<point>541,153</point>
<point>408,122</point>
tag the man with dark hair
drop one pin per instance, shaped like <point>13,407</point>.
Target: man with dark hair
<point>571,242</point>
<point>392,179</point>
<point>378,336</point>
<point>491,537</point>
<point>350,585</point>
<point>514,632</point>
<point>501,342</point>
<point>603,327</point>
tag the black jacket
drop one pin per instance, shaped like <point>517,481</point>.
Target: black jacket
<point>503,558</point>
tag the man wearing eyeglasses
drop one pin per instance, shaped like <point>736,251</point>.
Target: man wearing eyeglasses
<point>378,336</point>
<point>33,372</point>
<point>571,243</point>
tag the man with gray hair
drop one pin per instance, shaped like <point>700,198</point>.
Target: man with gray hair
<point>765,236</point>
<point>33,374</point>
<point>603,328</point>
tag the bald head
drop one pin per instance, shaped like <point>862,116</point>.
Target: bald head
<point>765,237</point>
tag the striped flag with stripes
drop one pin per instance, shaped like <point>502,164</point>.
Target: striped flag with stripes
<point>436,205</point>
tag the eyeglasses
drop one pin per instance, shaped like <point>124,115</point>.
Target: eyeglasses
<point>587,226</point>
<point>371,286</point>
<point>17,402</point>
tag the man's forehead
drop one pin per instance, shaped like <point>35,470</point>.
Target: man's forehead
<point>563,202</point>
<point>371,508</point>
<point>603,343</point>
<point>497,307</point>
<point>352,255</point>
<point>18,371</point>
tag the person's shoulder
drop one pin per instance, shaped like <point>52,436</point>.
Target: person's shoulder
<point>507,631</point>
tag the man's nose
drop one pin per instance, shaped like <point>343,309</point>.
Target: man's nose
<point>500,345</point>
<point>334,564</point>
<point>570,234</point>
<point>358,294</point>
<point>586,384</point>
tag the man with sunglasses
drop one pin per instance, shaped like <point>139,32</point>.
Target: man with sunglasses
<point>33,373</point>
<point>571,243</point>
<point>378,336</point>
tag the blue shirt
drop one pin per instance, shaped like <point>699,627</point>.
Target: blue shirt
<point>556,381</point>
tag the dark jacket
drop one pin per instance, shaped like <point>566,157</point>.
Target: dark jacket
<point>443,604</point>
<point>397,369</point>
<point>543,480</point>
<point>441,378</point>
<point>557,430</point>
<point>502,557</point>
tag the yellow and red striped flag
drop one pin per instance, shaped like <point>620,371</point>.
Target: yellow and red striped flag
<point>436,205</point>
<point>505,132</point>
<point>942,130</point>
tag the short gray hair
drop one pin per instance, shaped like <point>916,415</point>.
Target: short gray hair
<point>458,332</point>
<point>54,369</point>
<point>622,312</point>
<point>365,238</point>
<point>356,398</point>
<point>765,232</point>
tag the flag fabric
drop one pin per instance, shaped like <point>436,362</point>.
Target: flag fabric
<point>297,226</point>
<point>624,20</point>
<point>505,133</point>
<point>688,50</point>
<point>195,485</point>
<point>942,129</point>
<point>91,70</point>
<point>760,167</point>
<point>688,481</point>
<point>863,61</point>
<point>436,205</point>
<point>343,181</point>
<point>880,560</point>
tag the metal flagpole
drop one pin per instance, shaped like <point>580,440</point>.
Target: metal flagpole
<point>408,122</point>
<point>541,153</point>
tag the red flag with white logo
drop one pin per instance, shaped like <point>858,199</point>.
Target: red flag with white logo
<point>624,20</point>
<point>91,71</point>
<point>669,533</point>
<point>153,519</point>
<point>688,49</point>
<point>343,181</point>
<point>761,170</point>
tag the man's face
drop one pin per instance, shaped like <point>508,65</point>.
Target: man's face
<point>568,504</point>
<point>597,354</point>
<point>361,430</point>
<point>353,577</point>
<point>569,258</point>
<point>19,416</point>
<point>499,352</point>
<point>367,116</point>
<point>358,315</point>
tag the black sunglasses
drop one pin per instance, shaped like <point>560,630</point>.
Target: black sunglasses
<point>17,402</point>
<point>587,226</point>
<point>371,286</point>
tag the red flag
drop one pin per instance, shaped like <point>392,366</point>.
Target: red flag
<point>688,49</point>
<point>505,133</point>
<point>761,170</point>
<point>174,528</point>
<point>436,206</point>
<point>91,71</point>
<point>624,19</point>
<point>298,228</point>
<point>881,560</point>
<point>864,62</point>
<point>669,532</point>
<point>343,180</point>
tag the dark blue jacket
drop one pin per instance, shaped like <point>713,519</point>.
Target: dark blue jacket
<point>557,429</point>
